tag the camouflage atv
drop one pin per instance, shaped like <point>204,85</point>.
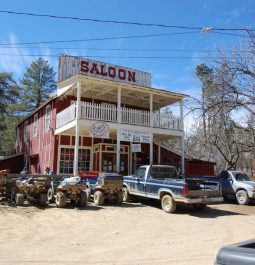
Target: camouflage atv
<point>68,190</point>
<point>33,189</point>
<point>108,187</point>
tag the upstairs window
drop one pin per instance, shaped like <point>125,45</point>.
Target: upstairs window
<point>47,118</point>
<point>35,125</point>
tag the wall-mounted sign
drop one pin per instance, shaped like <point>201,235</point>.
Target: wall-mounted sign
<point>71,65</point>
<point>136,148</point>
<point>99,130</point>
<point>135,136</point>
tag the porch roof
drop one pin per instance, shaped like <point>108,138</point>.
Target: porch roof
<point>106,90</point>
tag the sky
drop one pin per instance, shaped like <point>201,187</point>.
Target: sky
<point>176,51</point>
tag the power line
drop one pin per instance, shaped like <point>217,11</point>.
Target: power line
<point>118,22</point>
<point>100,39</point>
<point>115,38</point>
<point>125,49</point>
<point>115,57</point>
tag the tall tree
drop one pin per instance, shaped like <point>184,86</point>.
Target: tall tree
<point>9,96</point>
<point>38,83</point>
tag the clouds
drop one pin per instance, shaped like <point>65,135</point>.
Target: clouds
<point>15,58</point>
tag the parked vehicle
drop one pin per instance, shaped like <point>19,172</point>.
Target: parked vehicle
<point>235,184</point>
<point>33,189</point>
<point>236,254</point>
<point>108,187</point>
<point>162,182</point>
<point>67,190</point>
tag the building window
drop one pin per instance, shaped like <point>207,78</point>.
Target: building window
<point>35,125</point>
<point>67,159</point>
<point>47,118</point>
<point>26,131</point>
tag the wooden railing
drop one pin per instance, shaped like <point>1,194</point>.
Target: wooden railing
<point>98,112</point>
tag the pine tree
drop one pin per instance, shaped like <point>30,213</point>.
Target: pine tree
<point>38,83</point>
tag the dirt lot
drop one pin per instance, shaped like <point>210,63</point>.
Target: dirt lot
<point>134,233</point>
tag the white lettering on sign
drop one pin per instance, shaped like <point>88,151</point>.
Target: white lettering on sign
<point>70,66</point>
<point>136,148</point>
<point>135,136</point>
<point>99,130</point>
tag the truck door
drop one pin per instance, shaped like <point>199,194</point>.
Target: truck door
<point>226,181</point>
<point>139,184</point>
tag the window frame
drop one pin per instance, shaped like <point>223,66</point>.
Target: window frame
<point>35,125</point>
<point>47,122</point>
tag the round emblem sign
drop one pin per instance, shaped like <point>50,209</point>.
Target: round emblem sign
<point>99,130</point>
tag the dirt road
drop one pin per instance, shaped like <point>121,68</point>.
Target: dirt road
<point>134,233</point>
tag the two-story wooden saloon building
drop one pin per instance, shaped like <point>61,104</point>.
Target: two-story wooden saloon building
<point>103,118</point>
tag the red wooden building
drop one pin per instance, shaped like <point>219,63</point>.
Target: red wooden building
<point>103,118</point>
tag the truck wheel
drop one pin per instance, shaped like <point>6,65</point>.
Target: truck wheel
<point>119,197</point>
<point>125,194</point>
<point>242,197</point>
<point>60,199</point>
<point>168,204</point>
<point>98,198</point>
<point>43,199</point>
<point>50,195</point>
<point>19,199</point>
<point>199,206</point>
<point>83,198</point>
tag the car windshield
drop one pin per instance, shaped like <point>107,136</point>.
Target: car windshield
<point>241,176</point>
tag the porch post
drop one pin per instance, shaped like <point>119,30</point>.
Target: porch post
<point>118,130</point>
<point>159,158</point>
<point>151,124</point>
<point>77,130</point>
<point>182,138</point>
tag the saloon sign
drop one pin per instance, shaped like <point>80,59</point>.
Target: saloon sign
<point>70,66</point>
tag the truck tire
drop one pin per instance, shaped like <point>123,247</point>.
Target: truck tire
<point>125,194</point>
<point>119,197</point>
<point>199,206</point>
<point>19,199</point>
<point>42,199</point>
<point>98,198</point>
<point>83,198</point>
<point>60,199</point>
<point>242,197</point>
<point>168,204</point>
<point>50,195</point>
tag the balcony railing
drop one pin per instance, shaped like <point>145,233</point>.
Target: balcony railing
<point>98,112</point>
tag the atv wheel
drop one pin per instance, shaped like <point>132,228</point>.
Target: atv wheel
<point>60,199</point>
<point>98,198</point>
<point>19,199</point>
<point>242,197</point>
<point>168,204</point>
<point>119,197</point>
<point>50,195</point>
<point>42,199</point>
<point>83,198</point>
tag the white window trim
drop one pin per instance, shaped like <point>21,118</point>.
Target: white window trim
<point>71,146</point>
<point>35,125</point>
<point>47,118</point>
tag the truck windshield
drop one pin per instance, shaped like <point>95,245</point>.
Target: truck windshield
<point>163,172</point>
<point>240,176</point>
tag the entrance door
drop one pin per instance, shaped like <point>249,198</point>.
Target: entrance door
<point>108,162</point>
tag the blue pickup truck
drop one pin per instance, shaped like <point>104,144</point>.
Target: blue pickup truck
<point>162,182</point>
<point>235,184</point>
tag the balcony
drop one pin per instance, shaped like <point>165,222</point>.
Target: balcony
<point>98,112</point>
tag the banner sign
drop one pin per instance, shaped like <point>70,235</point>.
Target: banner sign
<point>135,136</point>
<point>99,130</point>
<point>70,66</point>
<point>136,148</point>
